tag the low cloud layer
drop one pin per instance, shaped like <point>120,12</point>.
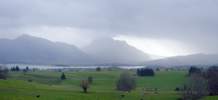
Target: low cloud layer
<point>192,22</point>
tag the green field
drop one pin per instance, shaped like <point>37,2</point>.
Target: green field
<point>48,85</point>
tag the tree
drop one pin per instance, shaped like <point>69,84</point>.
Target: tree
<point>17,68</point>
<point>3,72</point>
<point>98,69</point>
<point>84,84</point>
<point>145,72</point>
<point>90,79</point>
<point>63,77</point>
<point>24,71</point>
<point>157,69</point>
<point>27,68</point>
<point>194,70</point>
<point>126,82</point>
<point>195,88</point>
<point>211,75</point>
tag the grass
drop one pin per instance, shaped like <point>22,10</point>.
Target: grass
<point>48,85</point>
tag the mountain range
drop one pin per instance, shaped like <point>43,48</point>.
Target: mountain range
<point>194,59</point>
<point>105,51</point>
<point>33,50</point>
<point>109,51</point>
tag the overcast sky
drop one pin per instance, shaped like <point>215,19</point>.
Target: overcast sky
<point>159,27</point>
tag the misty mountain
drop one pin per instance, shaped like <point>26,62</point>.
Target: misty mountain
<point>109,51</point>
<point>195,59</point>
<point>32,50</point>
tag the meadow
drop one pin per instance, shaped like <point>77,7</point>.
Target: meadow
<point>48,86</point>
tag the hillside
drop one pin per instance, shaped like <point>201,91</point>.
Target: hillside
<point>109,51</point>
<point>32,50</point>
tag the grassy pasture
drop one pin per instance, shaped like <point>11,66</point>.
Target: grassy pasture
<point>48,85</point>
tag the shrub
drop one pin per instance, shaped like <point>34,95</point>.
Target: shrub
<point>177,89</point>
<point>90,79</point>
<point>30,80</point>
<point>37,96</point>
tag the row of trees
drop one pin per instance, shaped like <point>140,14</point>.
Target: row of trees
<point>15,68</point>
<point>145,72</point>
<point>4,71</point>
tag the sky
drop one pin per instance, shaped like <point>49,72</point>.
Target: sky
<point>158,27</point>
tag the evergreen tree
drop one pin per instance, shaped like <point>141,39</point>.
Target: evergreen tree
<point>63,77</point>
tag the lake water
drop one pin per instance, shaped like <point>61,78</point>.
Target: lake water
<point>47,67</point>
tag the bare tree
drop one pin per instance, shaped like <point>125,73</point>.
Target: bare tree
<point>126,82</point>
<point>84,85</point>
<point>211,75</point>
<point>195,88</point>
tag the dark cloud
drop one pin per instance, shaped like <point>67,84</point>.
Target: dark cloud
<point>193,22</point>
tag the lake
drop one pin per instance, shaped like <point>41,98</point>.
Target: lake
<point>48,67</point>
